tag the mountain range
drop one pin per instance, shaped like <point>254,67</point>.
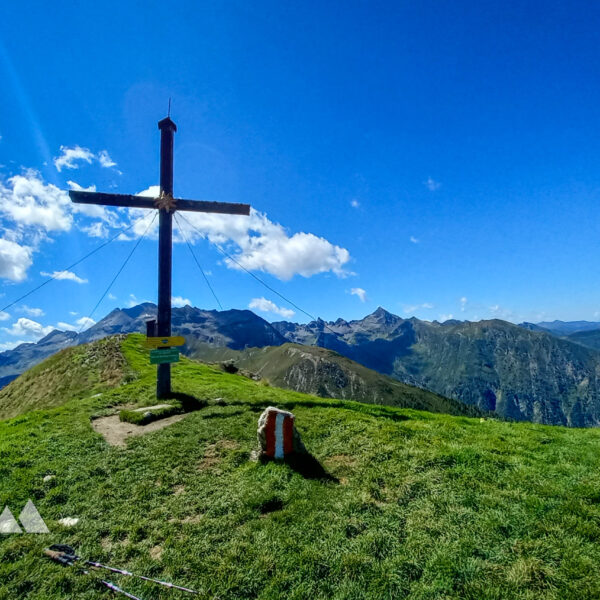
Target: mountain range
<point>545,373</point>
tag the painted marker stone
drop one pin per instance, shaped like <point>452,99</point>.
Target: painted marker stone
<point>277,434</point>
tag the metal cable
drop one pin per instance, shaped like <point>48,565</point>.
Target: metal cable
<point>199,266</point>
<point>35,289</point>
<point>119,271</point>
<point>227,255</point>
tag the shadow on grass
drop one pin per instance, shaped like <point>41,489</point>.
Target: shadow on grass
<point>188,402</point>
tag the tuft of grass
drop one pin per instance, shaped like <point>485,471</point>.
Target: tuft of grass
<point>399,503</point>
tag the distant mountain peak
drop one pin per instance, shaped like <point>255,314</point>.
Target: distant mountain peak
<point>383,316</point>
<point>55,334</point>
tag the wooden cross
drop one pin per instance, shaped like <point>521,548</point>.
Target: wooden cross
<point>166,205</point>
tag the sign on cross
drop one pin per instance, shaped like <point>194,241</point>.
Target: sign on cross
<point>166,204</point>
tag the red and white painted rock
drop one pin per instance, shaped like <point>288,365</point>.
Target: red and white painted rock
<point>277,434</point>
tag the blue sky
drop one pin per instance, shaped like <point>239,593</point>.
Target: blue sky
<point>435,158</point>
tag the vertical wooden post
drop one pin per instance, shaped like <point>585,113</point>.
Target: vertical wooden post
<point>165,238</point>
<point>151,328</point>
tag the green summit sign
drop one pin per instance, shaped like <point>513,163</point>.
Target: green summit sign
<point>160,357</point>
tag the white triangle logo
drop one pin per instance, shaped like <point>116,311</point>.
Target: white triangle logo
<point>32,520</point>
<point>8,524</point>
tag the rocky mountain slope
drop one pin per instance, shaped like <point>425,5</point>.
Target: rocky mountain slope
<point>236,329</point>
<point>322,372</point>
<point>521,372</point>
<point>563,328</point>
<point>16,361</point>
<point>495,365</point>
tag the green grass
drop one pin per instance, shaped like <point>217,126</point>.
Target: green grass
<point>320,371</point>
<point>73,373</point>
<point>419,505</point>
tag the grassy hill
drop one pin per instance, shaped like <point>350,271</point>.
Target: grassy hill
<point>325,373</point>
<point>69,374</point>
<point>416,505</point>
<point>591,339</point>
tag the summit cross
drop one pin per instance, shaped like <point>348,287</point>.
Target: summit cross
<point>166,204</point>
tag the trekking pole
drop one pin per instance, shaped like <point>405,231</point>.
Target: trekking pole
<point>64,559</point>
<point>69,553</point>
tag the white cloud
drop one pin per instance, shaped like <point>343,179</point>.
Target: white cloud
<point>73,185</point>
<point>151,192</point>
<point>446,317</point>
<point>74,313</point>
<point>80,325</point>
<point>97,230</point>
<point>27,328</point>
<point>133,301</point>
<point>32,312</point>
<point>354,203</point>
<point>4,346</point>
<point>265,305</point>
<point>4,316</point>
<point>362,294</point>
<point>65,275</point>
<point>463,303</point>
<point>432,185</point>
<point>413,239</point>
<point>94,211</point>
<point>85,322</point>
<point>179,301</point>
<point>262,245</point>
<point>499,312</point>
<point>110,297</point>
<point>105,160</point>
<point>28,201</point>
<point>70,156</point>
<point>414,307</point>
<point>14,260</point>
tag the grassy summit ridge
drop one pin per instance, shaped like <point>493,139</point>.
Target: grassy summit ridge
<point>420,505</point>
<point>325,373</point>
<point>71,373</point>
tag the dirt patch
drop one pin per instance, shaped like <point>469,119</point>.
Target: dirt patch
<point>116,432</point>
<point>156,552</point>
<point>214,453</point>
<point>106,543</point>
<point>191,519</point>
<point>341,461</point>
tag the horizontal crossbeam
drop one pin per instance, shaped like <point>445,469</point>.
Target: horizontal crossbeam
<point>129,201</point>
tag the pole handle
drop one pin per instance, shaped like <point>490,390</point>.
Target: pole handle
<point>53,554</point>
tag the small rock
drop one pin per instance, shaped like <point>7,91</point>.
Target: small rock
<point>68,521</point>
<point>277,434</point>
<point>49,478</point>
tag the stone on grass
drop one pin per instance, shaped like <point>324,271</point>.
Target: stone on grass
<point>277,434</point>
<point>68,521</point>
<point>48,478</point>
